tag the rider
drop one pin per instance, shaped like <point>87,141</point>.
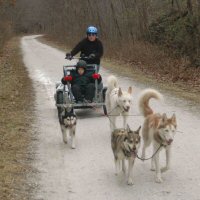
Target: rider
<point>82,82</point>
<point>91,47</point>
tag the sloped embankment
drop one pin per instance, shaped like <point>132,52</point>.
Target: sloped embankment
<point>16,117</point>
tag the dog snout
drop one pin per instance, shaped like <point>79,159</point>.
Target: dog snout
<point>170,141</point>
<point>127,108</point>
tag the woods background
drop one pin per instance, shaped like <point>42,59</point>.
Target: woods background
<point>133,31</point>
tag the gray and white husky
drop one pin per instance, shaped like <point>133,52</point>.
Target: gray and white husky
<point>68,122</point>
<point>118,102</point>
<point>125,144</point>
<point>157,129</point>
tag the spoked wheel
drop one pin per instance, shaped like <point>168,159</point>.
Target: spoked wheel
<point>60,100</point>
<point>104,97</point>
<point>105,110</point>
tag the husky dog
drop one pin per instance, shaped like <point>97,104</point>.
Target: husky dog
<point>125,144</point>
<point>117,102</point>
<point>157,129</point>
<point>68,121</point>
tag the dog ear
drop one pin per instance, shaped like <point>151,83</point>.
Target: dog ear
<point>138,131</point>
<point>119,92</point>
<point>130,90</point>
<point>163,120</point>
<point>72,110</point>
<point>128,128</point>
<point>164,117</point>
<point>173,118</point>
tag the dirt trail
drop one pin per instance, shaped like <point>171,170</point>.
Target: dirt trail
<point>88,171</point>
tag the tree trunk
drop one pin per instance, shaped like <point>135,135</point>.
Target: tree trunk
<point>189,7</point>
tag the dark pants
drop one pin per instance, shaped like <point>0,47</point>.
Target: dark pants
<point>87,92</point>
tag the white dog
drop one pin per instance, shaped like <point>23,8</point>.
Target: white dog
<point>118,102</point>
<point>157,129</point>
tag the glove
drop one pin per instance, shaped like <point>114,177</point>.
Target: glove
<point>92,56</point>
<point>95,76</point>
<point>68,56</point>
<point>68,78</point>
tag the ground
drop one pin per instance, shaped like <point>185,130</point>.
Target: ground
<point>17,115</point>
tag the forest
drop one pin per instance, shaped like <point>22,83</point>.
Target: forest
<point>132,31</point>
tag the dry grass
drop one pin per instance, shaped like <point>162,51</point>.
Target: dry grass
<point>16,116</point>
<point>5,33</point>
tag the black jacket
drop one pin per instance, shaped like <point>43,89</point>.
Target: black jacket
<point>87,47</point>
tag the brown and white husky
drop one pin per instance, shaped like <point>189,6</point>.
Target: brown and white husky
<point>68,122</point>
<point>125,144</point>
<point>157,129</point>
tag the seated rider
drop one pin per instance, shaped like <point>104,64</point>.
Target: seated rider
<point>90,47</point>
<point>82,82</point>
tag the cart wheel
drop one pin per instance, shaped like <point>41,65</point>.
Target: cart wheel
<point>104,93</point>
<point>59,101</point>
<point>104,109</point>
<point>60,98</point>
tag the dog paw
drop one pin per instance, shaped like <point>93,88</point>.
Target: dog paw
<point>117,171</point>
<point>73,146</point>
<point>65,141</point>
<point>158,179</point>
<point>124,170</point>
<point>164,169</point>
<point>130,181</point>
<point>153,169</point>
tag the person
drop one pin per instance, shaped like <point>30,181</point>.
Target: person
<point>82,82</point>
<point>91,47</point>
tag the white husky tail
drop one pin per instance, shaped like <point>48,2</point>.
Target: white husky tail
<point>146,95</point>
<point>112,83</point>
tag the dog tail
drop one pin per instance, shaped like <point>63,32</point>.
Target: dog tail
<point>112,82</point>
<point>146,95</point>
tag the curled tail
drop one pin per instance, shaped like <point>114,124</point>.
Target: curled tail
<point>112,82</point>
<point>146,95</point>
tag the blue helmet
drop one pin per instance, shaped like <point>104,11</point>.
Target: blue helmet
<point>92,29</point>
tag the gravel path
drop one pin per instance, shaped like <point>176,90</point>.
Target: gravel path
<point>87,172</point>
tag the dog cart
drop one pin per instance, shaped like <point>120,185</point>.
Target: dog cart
<point>64,97</point>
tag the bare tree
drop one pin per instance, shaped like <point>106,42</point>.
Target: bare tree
<point>189,7</point>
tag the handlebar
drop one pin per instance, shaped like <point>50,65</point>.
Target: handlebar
<point>85,57</point>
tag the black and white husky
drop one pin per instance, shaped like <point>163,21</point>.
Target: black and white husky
<point>68,121</point>
<point>125,144</point>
